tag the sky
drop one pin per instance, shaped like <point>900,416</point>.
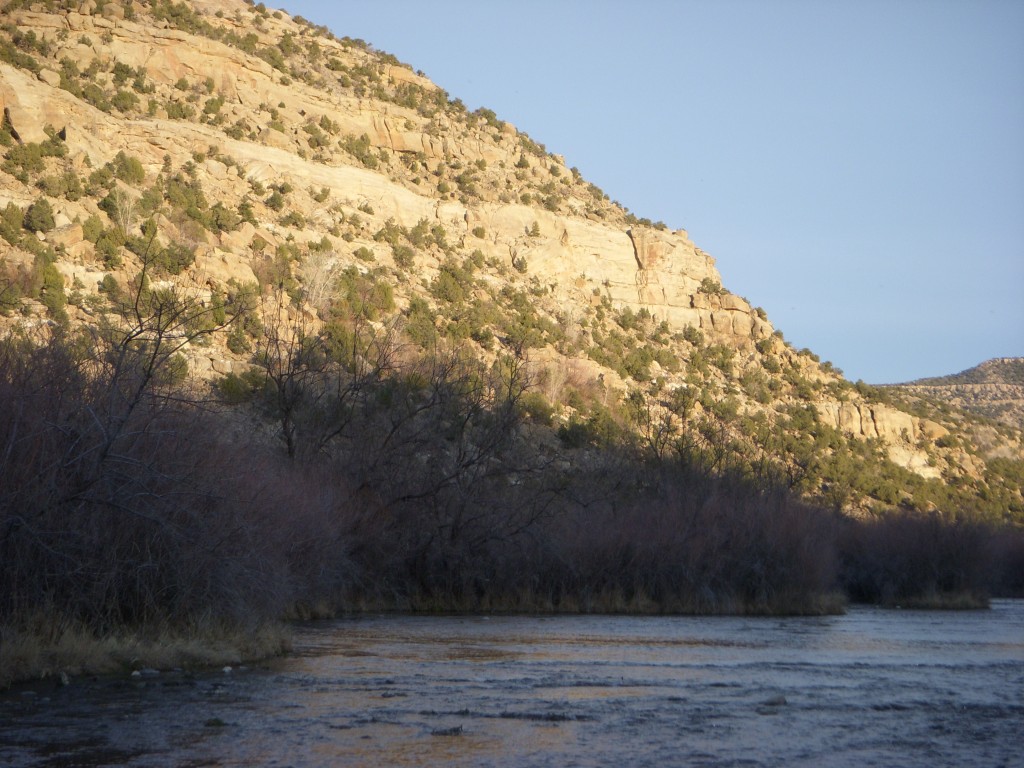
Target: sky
<point>855,168</point>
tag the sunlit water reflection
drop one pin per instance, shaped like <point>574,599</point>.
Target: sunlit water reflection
<point>873,687</point>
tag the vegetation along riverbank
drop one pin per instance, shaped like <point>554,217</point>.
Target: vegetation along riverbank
<point>145,522</point>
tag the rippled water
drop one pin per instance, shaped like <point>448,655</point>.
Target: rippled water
<point>874,687</point>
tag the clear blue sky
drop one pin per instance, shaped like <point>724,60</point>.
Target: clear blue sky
<point>856,168</point>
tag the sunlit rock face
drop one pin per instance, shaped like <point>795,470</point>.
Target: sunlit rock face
<point>361,141</point>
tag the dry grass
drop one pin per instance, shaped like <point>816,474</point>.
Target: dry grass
<point>43,649</point>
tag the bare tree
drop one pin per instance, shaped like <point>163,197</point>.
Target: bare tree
<point>123,209</point>
<point>321,271</point>
<point>292,359</point>
<point>319,374</point>
<point>102,459</point>
<point>656,426</point>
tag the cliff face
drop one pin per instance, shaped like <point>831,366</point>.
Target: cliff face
<point>634,266</point>
<point>264,149</point>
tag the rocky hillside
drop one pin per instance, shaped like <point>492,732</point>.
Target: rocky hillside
<point>994,389</point>
<point>318,188</point>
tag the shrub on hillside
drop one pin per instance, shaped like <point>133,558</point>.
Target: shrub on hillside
<point>39,216</point>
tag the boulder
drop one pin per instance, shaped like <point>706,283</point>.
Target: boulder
<point>220,267</point>
<point>70,236</point>
<point>50,77</point>
<point>113,10</point>
<point>276,139</point>
<point>931,430</point>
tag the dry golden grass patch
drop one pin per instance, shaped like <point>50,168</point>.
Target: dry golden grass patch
<point>44,649</point>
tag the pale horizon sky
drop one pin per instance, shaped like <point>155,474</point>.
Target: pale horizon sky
<point>857,169</point>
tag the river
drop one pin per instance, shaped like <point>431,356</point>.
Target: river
<point>871,688</point>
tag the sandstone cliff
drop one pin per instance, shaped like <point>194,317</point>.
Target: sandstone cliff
<point>266,150</point>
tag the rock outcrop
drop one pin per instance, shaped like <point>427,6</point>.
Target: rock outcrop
<point>635,266</point>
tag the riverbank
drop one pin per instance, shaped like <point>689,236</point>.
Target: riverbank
<point>44,649</point>
<point>942,601</point>
<point>48,651</point>
<point>606,602</point>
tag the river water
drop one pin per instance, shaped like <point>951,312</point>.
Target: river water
<point>871,688</point>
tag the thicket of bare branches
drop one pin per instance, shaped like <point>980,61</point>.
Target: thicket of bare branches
<point>119,503</point>
<point>909,558</point>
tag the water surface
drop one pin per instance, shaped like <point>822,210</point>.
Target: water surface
<point>874,687</point>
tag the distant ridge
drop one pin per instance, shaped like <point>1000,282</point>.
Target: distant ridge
<point>994,389</point>
<point>998,370</point>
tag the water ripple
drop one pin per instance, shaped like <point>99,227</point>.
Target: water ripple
<point>873,687</point>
